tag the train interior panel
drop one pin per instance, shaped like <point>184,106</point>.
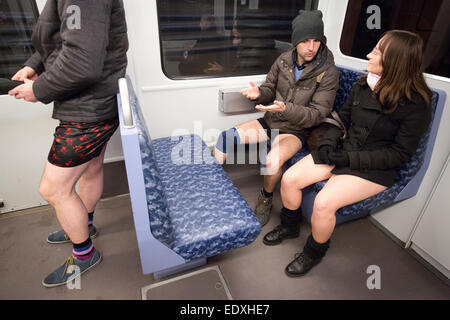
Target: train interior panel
<point>173,223</point>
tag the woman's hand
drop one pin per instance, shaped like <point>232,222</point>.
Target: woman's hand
<point>25,73</point>
<point>277,106</point>
<point>323,153</point>
<point>251,92</point>
<point>339,158</point>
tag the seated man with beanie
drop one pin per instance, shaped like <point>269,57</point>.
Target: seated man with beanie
<point>297,94</point>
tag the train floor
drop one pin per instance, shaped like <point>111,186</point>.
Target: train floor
<point>252,272</point>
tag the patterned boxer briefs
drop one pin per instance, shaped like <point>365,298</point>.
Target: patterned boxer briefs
<point>76,143</point>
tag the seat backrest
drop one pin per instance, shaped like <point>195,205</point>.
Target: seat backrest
<point>347,79</point>
<point>410,175</point>
<point>160,222</point>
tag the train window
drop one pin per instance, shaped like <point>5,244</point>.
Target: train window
<point>367,20</point>
<point>17,20</point>
<point>219,38</point>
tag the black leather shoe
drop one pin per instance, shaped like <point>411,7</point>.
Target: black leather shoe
<point>281,232</point>
<point>301,265</point>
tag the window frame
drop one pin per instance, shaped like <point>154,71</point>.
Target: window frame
<point>365,60</point>
<point>313,5</point>
<point>36,14</point>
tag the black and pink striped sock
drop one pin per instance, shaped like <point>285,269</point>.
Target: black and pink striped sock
<point>84,250</point>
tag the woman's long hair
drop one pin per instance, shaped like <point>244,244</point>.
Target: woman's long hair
<point>402,57</point>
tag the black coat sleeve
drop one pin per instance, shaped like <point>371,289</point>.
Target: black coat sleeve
<point>411,129</point>
<point>80,62</point>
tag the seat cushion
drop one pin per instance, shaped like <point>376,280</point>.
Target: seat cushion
<point>208,213</point>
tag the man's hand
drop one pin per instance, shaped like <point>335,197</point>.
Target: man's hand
<point>25,73</point>
<point>24,91</point>
<point>251,92</point>
<point>277,106</point>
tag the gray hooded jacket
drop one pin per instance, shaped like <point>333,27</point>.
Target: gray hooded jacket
<point>80,55</point>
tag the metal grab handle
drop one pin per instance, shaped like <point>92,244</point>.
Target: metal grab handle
<point>126,106</point>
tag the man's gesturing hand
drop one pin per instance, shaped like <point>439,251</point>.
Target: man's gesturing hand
<point>251,92</point>
<point>277,106</point>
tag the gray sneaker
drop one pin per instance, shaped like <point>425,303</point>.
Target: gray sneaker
<point>66,273</point>
<point>262,209</point>
<point>60,236</point>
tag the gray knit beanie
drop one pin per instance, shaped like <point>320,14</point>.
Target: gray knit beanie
<point>308,25</point>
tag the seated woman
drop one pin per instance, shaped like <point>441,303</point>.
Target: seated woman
<point>386,114</point>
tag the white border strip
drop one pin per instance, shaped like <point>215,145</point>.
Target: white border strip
<point>216,268</point>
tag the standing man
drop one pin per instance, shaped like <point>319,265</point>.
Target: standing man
<point>298,92</point>
<point>80,55</point>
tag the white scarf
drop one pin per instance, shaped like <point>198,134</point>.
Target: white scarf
<point>372,80</point>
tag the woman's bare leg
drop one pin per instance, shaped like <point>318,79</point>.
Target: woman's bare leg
<point>339,191</point>
<point>300,175</point>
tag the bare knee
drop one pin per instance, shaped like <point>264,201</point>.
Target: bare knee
<point>323,208</point>
<point>51,192</point>
<point>47,191</point>
<point>295,177</point>
<point>290,180</point>
<point>272,165</point>
<point>274,162</point>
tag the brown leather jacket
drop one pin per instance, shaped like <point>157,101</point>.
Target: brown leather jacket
<point>307,102</point>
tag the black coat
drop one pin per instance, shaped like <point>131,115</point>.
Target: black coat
<point>377,143</point>
<point>80,55</point>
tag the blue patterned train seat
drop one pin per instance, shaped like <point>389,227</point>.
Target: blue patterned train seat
<point>409,176</point>
<point>185,206</point>
<point>208,213</point>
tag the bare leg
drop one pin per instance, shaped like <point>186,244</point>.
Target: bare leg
<point>284,147</point>
<point>58,188</point>
<point>339,191</point>
<point>91,182</point>
<point>249,132</point>
<point>300,175</point>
